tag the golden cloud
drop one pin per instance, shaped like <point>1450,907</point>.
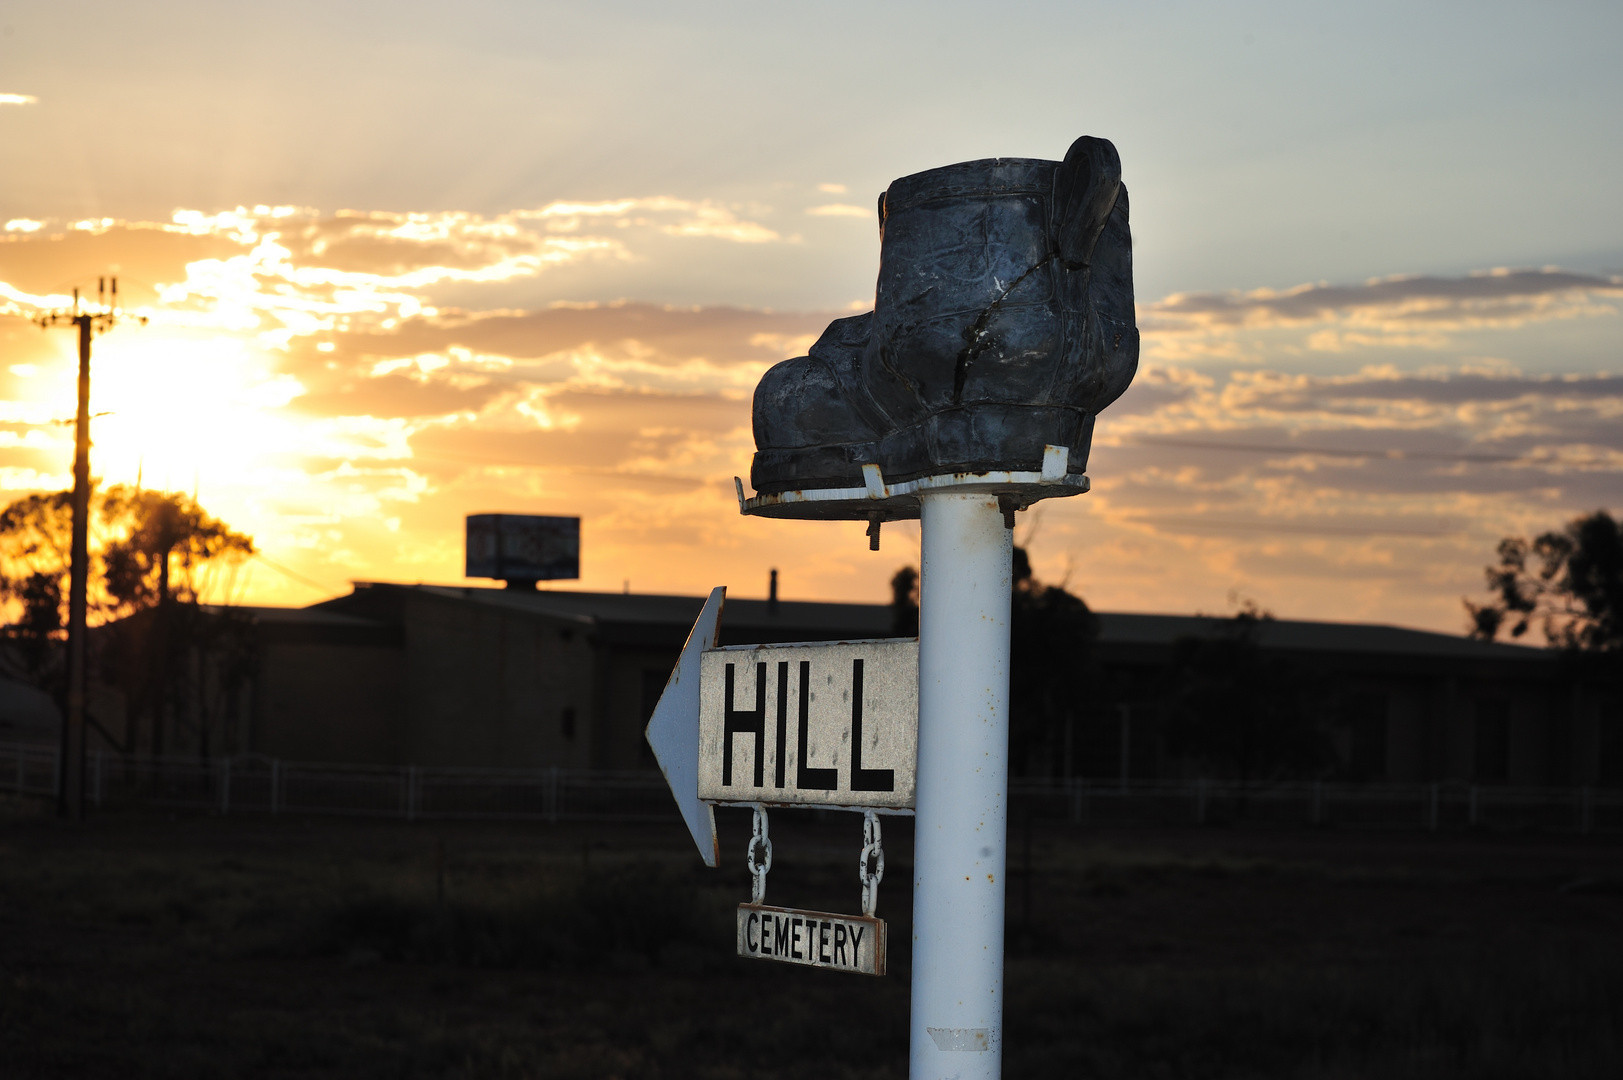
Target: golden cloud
<point>345,385</point>
<point>1395,312</point>
<point>840,210</point>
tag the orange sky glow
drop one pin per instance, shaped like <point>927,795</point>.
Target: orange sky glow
<point>300,372</point>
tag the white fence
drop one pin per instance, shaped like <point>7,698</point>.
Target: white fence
<point>264,785</point>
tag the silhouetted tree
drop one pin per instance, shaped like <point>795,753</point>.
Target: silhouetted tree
<point>167,542</point>
<point>1240,711</point>
<point>172,659</point>
<point>904,602</point>
<point>1570,581</point>
<point>1051,636</point>
<point>35,548</point>
<point>149,553</point>
<point>1052,673</point>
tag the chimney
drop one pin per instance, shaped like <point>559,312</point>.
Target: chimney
<point>772,595</point>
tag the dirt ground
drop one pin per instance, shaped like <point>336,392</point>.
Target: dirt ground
<point>145,945</point>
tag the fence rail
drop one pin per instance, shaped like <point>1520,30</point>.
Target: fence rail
<point>264,785</point>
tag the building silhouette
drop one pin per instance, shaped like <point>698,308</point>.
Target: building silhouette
<point>468,676</point>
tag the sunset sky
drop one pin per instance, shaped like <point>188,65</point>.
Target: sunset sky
<point>407,262</point>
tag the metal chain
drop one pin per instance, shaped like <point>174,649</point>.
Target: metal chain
<point>759,841</point>
<point>871,868</point>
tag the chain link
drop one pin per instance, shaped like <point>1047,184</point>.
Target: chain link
<point>871,868</point>
<point>762,842</point>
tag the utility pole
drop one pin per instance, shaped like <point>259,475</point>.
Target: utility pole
<point>70,799</point>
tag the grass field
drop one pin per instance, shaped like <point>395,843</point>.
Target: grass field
<point>141,945</point>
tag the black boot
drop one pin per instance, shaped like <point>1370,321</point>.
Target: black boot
<point>811,427</point>
<point>1003,322</point>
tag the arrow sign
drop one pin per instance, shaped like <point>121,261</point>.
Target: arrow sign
<point>820,723</point>
<point>673,730</point>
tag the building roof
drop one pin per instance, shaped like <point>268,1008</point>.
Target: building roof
<point>663,621</point>
<point>289,616</point>
<point>658,620</point>
<point>1297,635</point>
<point>314,626</point>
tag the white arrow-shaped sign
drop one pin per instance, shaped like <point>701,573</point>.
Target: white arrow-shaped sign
<point>673,730</point>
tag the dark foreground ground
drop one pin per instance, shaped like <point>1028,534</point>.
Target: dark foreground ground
<point>147,946</point>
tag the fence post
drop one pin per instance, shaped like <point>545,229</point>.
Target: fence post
<point>276,787</point>
<point>411,791</point>
<point>22,768</point>
<point>56,772</point>
<point>1432,822</point>
<point>225,786</point>
<point>95,781</point>
<point>552,795</point>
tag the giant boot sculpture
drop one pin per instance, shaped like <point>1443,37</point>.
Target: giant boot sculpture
<point>1003,322</point>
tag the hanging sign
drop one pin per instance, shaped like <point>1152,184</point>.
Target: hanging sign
<point>812,938</point>
<point>822,724</point>
<point>832,724</point>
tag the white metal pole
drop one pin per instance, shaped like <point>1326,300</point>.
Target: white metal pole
<point>960,827</point>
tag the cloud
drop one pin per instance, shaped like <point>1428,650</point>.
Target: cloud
<point>654,435</point>
<point>1374,401</point>
<point>284,273</point>
<point>672,216</point>
<point>1421,299</point>
<point>39,268</point>
<point>1396,312</point>
<point>394,396</point>
<point>658,333</point>
<point>1264,459</point>
<point>1441,390</point>
<point>840,210</point>
<point>18,99</point>
<point>428,367</point>
<point>358,380</point>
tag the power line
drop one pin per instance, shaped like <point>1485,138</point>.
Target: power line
<point>295,575</point>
